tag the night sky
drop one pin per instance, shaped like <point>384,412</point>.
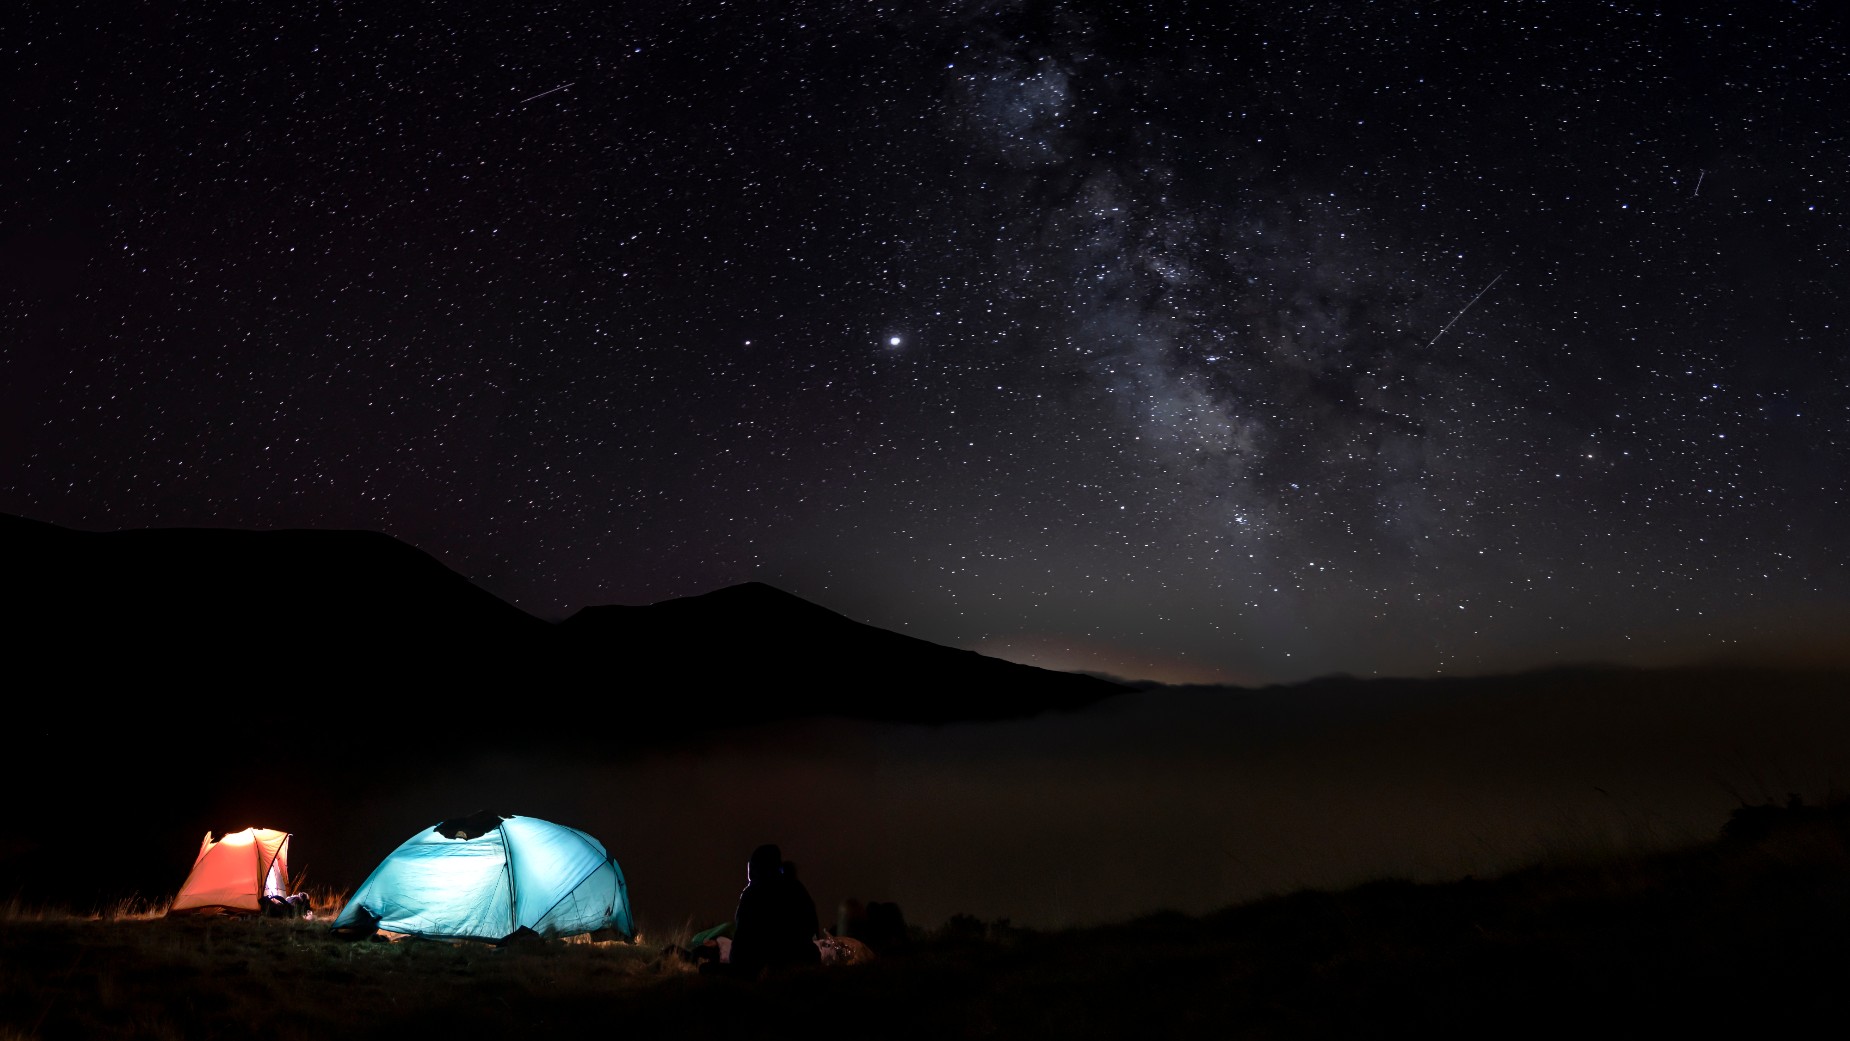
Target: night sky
<point>1186,341</point>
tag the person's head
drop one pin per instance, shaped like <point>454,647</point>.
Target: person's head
<point>766,863</point>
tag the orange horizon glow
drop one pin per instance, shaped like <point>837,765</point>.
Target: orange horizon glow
<point>1062,654</point>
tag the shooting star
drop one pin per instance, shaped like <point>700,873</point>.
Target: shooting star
<point>1462,310</point>
<point>1700,174</point>
<point>543,93</point>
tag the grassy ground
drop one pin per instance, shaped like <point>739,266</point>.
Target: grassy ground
<point>1750,933</point>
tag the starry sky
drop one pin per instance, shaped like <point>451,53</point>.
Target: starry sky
<point>1175,340</point>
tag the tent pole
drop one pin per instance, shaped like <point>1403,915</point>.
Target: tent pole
<point>513,894</point>
<point>262,871</point>
<point>278,855</point>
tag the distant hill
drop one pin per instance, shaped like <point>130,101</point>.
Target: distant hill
<point>215,604</point>
<point>252,622</point>
<point>772,649</point>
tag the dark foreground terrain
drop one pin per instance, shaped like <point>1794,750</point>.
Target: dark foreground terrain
<point>1749,933</point>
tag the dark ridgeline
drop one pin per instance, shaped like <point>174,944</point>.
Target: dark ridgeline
<point>783,656</point>
<point>244,621</point>
<point>240,616</point>
<point>156,671</point>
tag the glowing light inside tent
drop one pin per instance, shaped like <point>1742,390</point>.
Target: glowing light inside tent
<point>524,872</point>
<point>236,872</point>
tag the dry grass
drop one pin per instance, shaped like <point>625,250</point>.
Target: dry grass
<point>135,975</point>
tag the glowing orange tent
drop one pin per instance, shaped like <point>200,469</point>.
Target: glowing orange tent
<point>236,873</point>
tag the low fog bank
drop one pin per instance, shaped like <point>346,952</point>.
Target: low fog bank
<point>1183,799</point>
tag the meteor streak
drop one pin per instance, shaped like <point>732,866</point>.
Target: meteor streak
<point>543,93</point>
<point>1462,310</point>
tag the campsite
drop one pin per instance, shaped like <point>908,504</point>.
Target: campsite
<point>1741,933</point>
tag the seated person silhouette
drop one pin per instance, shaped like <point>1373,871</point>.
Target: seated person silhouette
<point>775,926</point>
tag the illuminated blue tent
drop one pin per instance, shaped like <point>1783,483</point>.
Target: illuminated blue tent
<point>489,876</point>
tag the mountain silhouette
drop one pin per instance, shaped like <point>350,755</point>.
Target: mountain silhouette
<point>224,608</point>
<point>769,648</point>
<point>245,622</point>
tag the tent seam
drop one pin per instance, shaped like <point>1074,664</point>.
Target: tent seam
<point>607,859</point>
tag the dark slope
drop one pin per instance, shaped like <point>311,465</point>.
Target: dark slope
<point>243,621</point>
<point>220,610</point>
<point>767,649</point>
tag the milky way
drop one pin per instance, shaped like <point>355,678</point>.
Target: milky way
<point>1238,342</point>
